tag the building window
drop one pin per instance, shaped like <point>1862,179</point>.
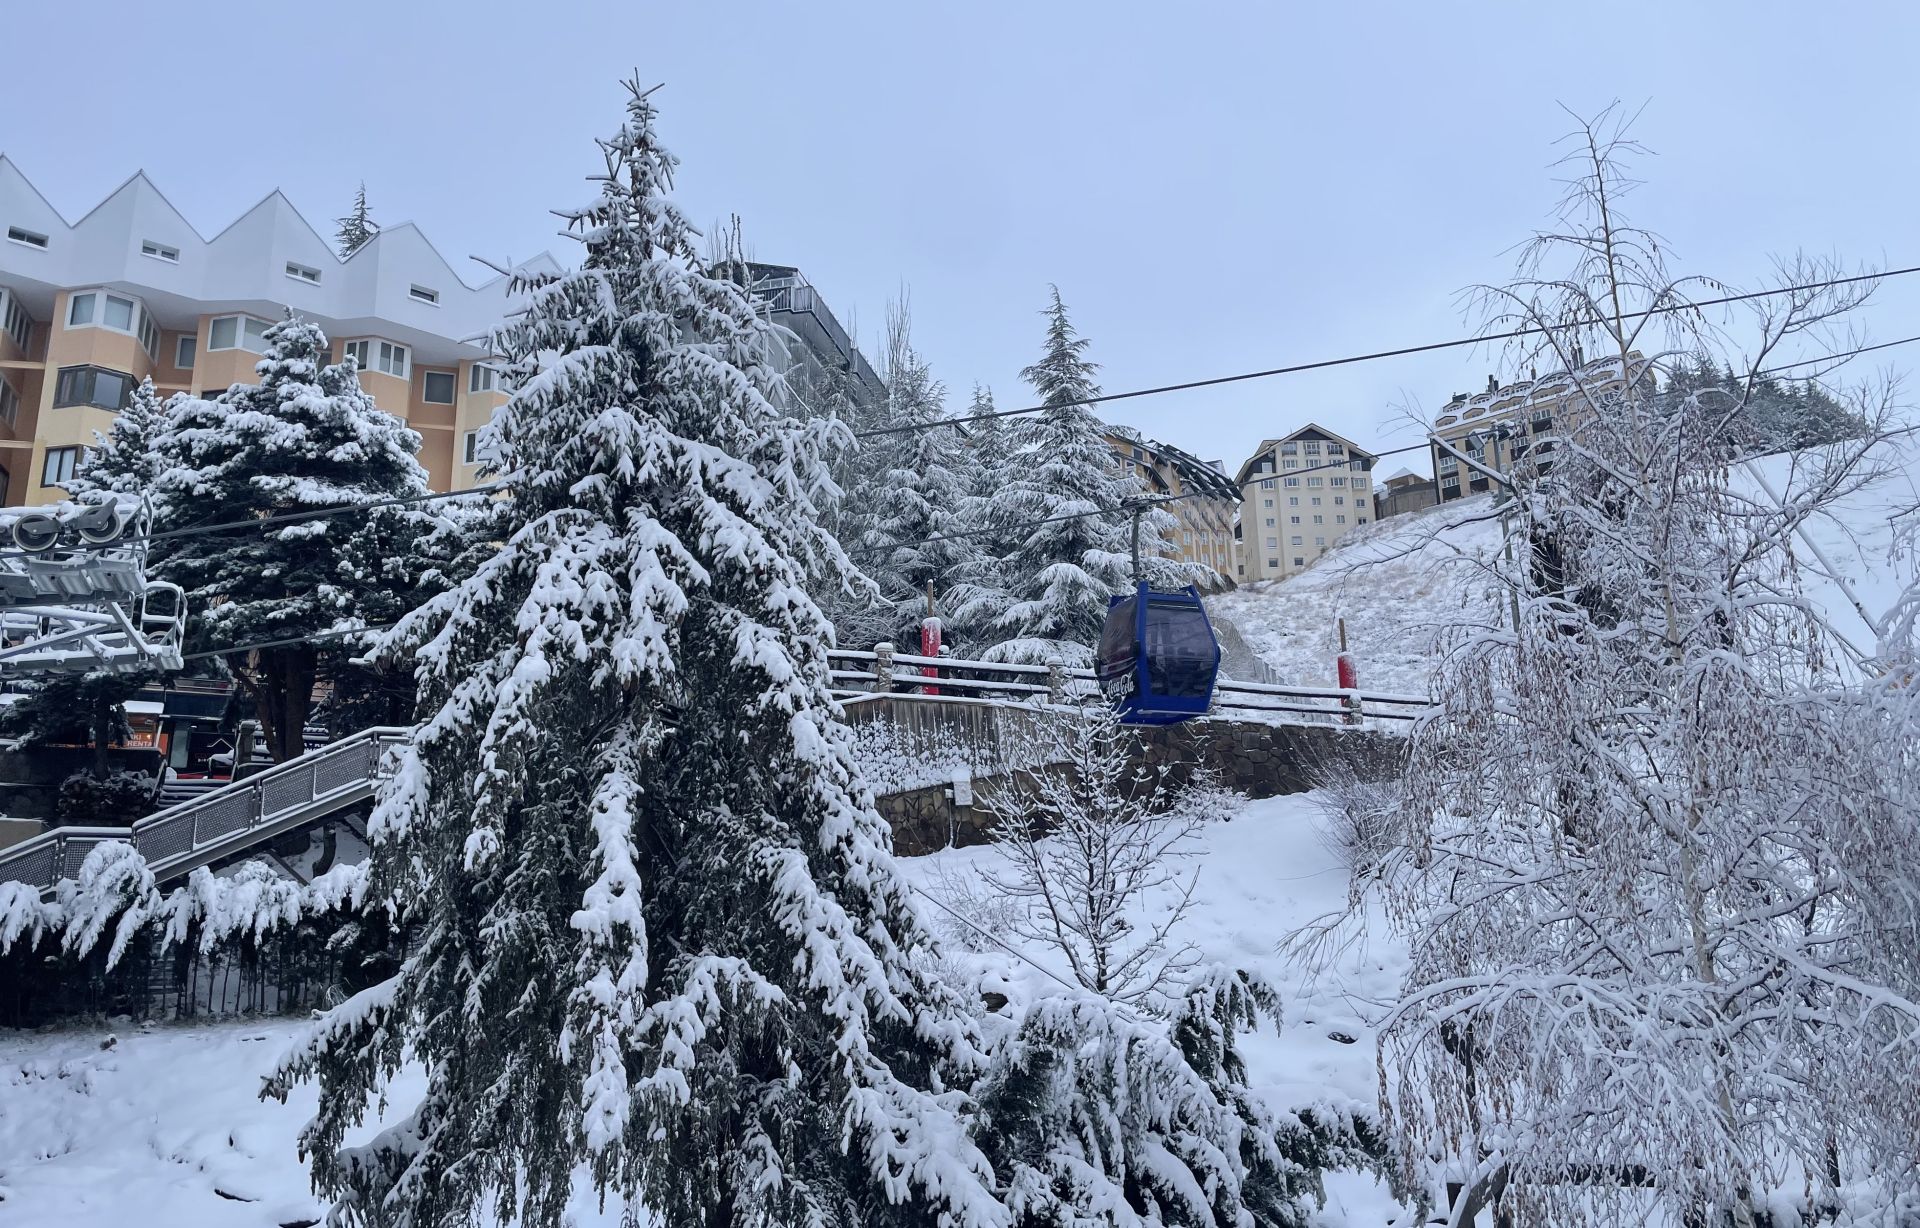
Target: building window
<point>1319,520</point>
<point>1288,449</point>
<point>57,469</point>
<point>420,294</point>
<point>1292,464</point>
<point>1293,520</point>
<point>1272,542</point>
<point>94,386</point>
<point>1269,522</point>
<point>6,485</point>
<point>1336,481</point>
<point>1266,503</point>
<point>1339,520</point>
<point>183,352</point>
<point>1293,481</point>
<point>237,333</point>
<point>1360,520</point>
<point>382,356</point>
<point>1298,561</point>
<point>482,378</point>
<point>1334,449</point>
<point>30,238</point>
<point>18,324</point>
<point>470,449</point>
<point>160,251</point>
<point>1313,481</point>
<point>1296,539</point>
<point>1316,500</point>
<point>1293,500</point>
<point>436,387</point>
<point>303,272</point>
<point>9,406</point>
<point>1339,500</point>
<point>1320,542</point>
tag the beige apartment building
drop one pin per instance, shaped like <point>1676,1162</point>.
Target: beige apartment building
<point>133,291</point>
<point>1204,512</point>
<point>1300,494</point>
<point>1519,425</point>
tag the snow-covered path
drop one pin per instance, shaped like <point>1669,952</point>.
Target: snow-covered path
<point>165,1130</point>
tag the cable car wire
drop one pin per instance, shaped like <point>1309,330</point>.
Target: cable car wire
<point>1429,347</point>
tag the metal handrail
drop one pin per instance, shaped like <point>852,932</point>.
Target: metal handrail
<point>219,822</point>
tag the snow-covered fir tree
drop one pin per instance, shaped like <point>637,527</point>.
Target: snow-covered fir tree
<point>126,460</point>
<point>304,439</point>
<point>659,930</point>
<point>917,532</point>
<point>357,227</point>
<point>1663,909</point>
<point>1061,520</point>
<point>658,933</point>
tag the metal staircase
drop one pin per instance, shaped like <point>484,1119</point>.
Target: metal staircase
<point>223,821</point>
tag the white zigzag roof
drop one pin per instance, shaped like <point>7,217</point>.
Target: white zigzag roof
<point>244,268</point>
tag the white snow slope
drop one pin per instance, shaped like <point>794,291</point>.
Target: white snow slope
<point>165,1130</point>
<point>1405,580</point>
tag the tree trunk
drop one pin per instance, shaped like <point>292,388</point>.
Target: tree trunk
<point>102,734</point>
<point>283,697</point>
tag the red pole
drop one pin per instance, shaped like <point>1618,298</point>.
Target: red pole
<point>930,641</point>
<point>1348,673</point>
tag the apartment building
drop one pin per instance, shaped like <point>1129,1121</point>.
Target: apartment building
<point>1518,426</point>
<point>1300,494</point>
<point>133,290</point>
<point>819,341</point>
<point>1203,532</point>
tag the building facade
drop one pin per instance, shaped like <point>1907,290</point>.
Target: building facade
<point>1203,512</point>
<point>1518,426</point>
<point>132,291</point>
<point>818,341</point>
<point>1404,492</point>
<point>1299,495</point>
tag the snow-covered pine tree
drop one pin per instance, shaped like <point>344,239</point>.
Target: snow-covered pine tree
<point>305,438</point>
<point>1060,515</point>
<point>126,460</point>
<point>659,931</point>
<point>357,227</point>
<point>917,532</point>
<point>1664,910</point>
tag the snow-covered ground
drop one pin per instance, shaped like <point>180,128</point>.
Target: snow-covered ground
<point>1405,580</point>
<point>164,1128</point>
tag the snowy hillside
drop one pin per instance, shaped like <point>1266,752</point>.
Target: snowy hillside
<point>1402,581</point>
<point>164,1128</point>
<point>1398,584</point>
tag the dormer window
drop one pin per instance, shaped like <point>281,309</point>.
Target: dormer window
<point>160,251</point>
<point>302,272</point>
<point>26,238</point>
<point>421,294</point>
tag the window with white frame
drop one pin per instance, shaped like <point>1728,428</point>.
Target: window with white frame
<point>436,387</point>
<point>1297,561</point>
<point>184,348</point>
<point>237,333</point>
<point>1296,539</point>
<point>1339,520</point>
<point>58,467</point>
<point>26,238</point>
<point>303,272</point>
<point>1272,542</point>
<point>14,317</point>
<point>1293,500</point>
<point>1313,481</point>
<point>9,402</point>
<point>1293,482</point>
<point>1269,522</point>
<point>1293,520</point>
<point>1320,542</point>
<point>421,294</point>
<point>356,350</point>
<point>160,251</point>
<point>482,378</point>
<point>1337,481</point>
<point>1319,520</point>
<point>469,450</point>
<point>1339,500</point>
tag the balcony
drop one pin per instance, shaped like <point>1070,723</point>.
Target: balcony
<point>798,307</point>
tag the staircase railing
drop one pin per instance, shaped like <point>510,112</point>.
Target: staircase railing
<point>222,822</point>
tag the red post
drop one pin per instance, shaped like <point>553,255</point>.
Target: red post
<point>1348,674</point>
<point>930,641</point>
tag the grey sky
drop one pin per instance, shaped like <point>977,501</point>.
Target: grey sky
<point>1215,187</point>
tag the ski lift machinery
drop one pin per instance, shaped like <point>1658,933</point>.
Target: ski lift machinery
<point>74,591</point>
<point>1158,656</point>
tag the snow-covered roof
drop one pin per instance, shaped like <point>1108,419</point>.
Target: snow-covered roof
<point>245,266</point>
<point>1548,389</point>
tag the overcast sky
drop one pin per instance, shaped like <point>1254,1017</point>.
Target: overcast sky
<point>1214,187</point>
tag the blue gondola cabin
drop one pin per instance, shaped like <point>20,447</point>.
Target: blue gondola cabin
<point>1158,657</point>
